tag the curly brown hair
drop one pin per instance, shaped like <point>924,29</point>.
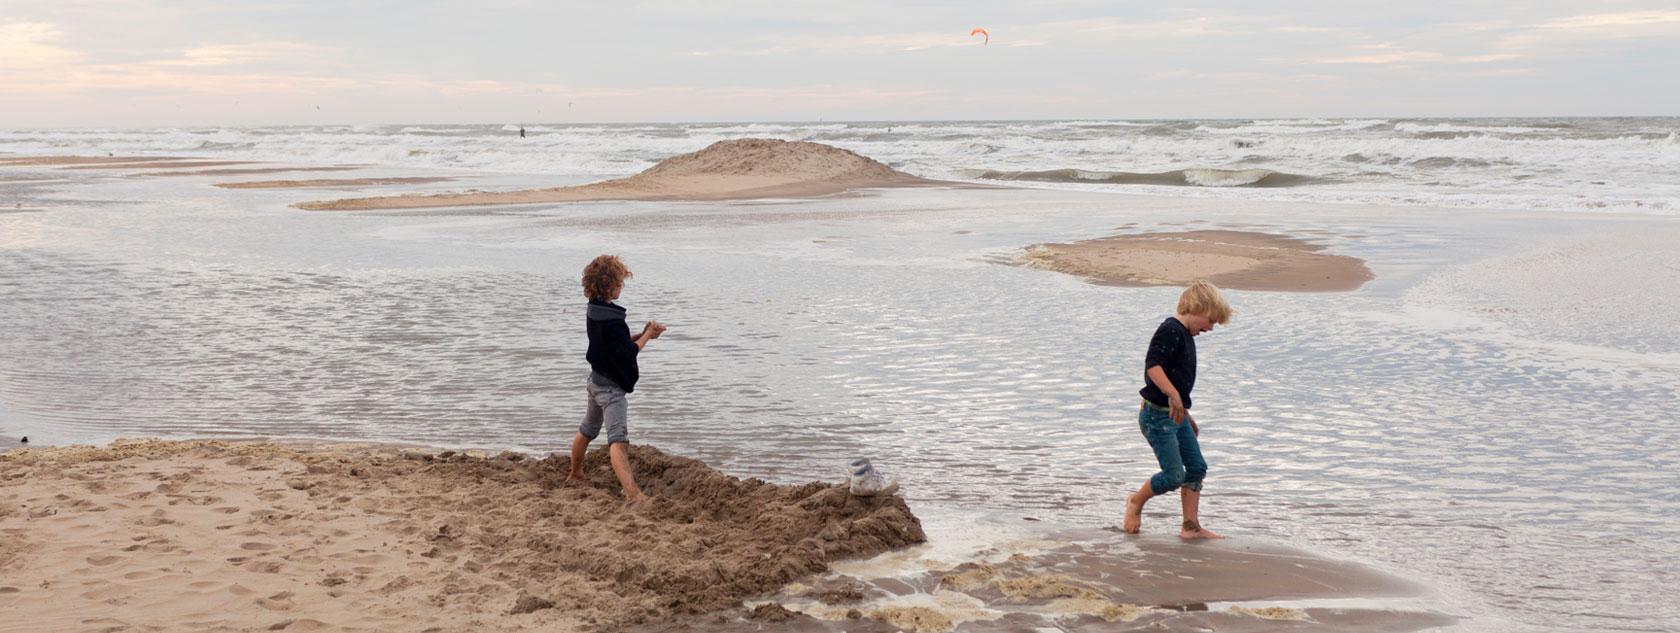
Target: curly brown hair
<point>602,275</point>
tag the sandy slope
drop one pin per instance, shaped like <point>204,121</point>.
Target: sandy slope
<point>209,535</point>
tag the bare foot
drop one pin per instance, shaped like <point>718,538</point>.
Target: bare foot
<point>637,498</point>
<point>1194,531</point>
<point>1134,516</point>
<point>575,478</point>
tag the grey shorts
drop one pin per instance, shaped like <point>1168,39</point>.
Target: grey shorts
<point>607,405</point>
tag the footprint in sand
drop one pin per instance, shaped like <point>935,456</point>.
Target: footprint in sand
<point>101,561</point>
<point>226,509</point>
<point>304,624</point>
<point>111,594</point>
<point>256,547</point>
<point>156,519</point>
<point>278,602</point>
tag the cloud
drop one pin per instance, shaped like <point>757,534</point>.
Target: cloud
<point>217,55</point>
<point>1389,54</point>
<point>1625,24</point>
<point>33,46</point>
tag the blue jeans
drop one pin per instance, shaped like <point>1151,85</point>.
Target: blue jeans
<point>1176,450</point>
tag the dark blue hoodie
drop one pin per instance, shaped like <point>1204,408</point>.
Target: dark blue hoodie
<point>612,353</point>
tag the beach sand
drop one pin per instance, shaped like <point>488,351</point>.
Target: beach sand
<point>213,535</point>
<point>1238,260</point>
<point>327,183</point>
<point>727,170</point>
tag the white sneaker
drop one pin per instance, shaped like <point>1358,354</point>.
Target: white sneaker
<point>865,481</point>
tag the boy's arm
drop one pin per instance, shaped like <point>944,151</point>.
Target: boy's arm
<point>1175,405</point>
<point>649,332</point>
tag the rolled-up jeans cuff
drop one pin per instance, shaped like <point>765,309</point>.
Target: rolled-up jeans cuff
<point>1193,485</point>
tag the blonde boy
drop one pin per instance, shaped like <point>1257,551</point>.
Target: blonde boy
<point>612,371</point>
<point>1164,416</point>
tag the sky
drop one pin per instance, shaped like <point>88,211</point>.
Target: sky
<point>188,62</point>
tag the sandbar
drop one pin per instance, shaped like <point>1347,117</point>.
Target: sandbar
<point>737,169</point>
<point>1238,260</point>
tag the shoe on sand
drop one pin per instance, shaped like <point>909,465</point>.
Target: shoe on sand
<point>865,481</point>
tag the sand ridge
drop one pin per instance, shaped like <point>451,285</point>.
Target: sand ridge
<point>726,170</point>
<point>1237,260</point>
<point>208,535</point>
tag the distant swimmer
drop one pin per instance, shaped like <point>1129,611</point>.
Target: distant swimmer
<point>521,132</point>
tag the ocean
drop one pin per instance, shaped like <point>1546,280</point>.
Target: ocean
<point>1564,164</point>
<point>1491,416</point>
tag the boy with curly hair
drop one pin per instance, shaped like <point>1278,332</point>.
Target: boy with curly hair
<point>613,371</point>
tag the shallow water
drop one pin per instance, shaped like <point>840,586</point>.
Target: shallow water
<point>1448,422</point>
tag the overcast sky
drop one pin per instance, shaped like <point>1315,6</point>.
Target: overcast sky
<point>186,62</point>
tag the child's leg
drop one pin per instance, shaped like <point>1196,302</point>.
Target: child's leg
<point>615,410</point>
<point>580,446</point>
<point>1157,427</point>
<point>591,427</point>
<point>1190,495</point>
<point>621,467</point>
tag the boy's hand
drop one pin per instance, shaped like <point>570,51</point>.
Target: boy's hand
<point>1193,429</point>
<point>654,329</point>
<point>1175,408</point>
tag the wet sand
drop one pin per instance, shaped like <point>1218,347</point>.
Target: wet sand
<point>252,170</point>
<point>327,183</point>
<point>211,535</point>
<point>740,169</point>
<point>170,164</point>
<point>1094,580</point>
<point>42,161</point>
<point>1238,260</point>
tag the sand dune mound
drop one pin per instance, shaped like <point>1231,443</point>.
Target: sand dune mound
<point>373,538</point>
<point>791,161</point>
<point>726,170</point>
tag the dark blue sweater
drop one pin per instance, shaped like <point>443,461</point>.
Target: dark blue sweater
<point>1174,349</point>
<point>612,353</point>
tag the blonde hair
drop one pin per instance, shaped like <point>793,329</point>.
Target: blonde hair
<point>1202,299</point>
<point>602,275</point>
